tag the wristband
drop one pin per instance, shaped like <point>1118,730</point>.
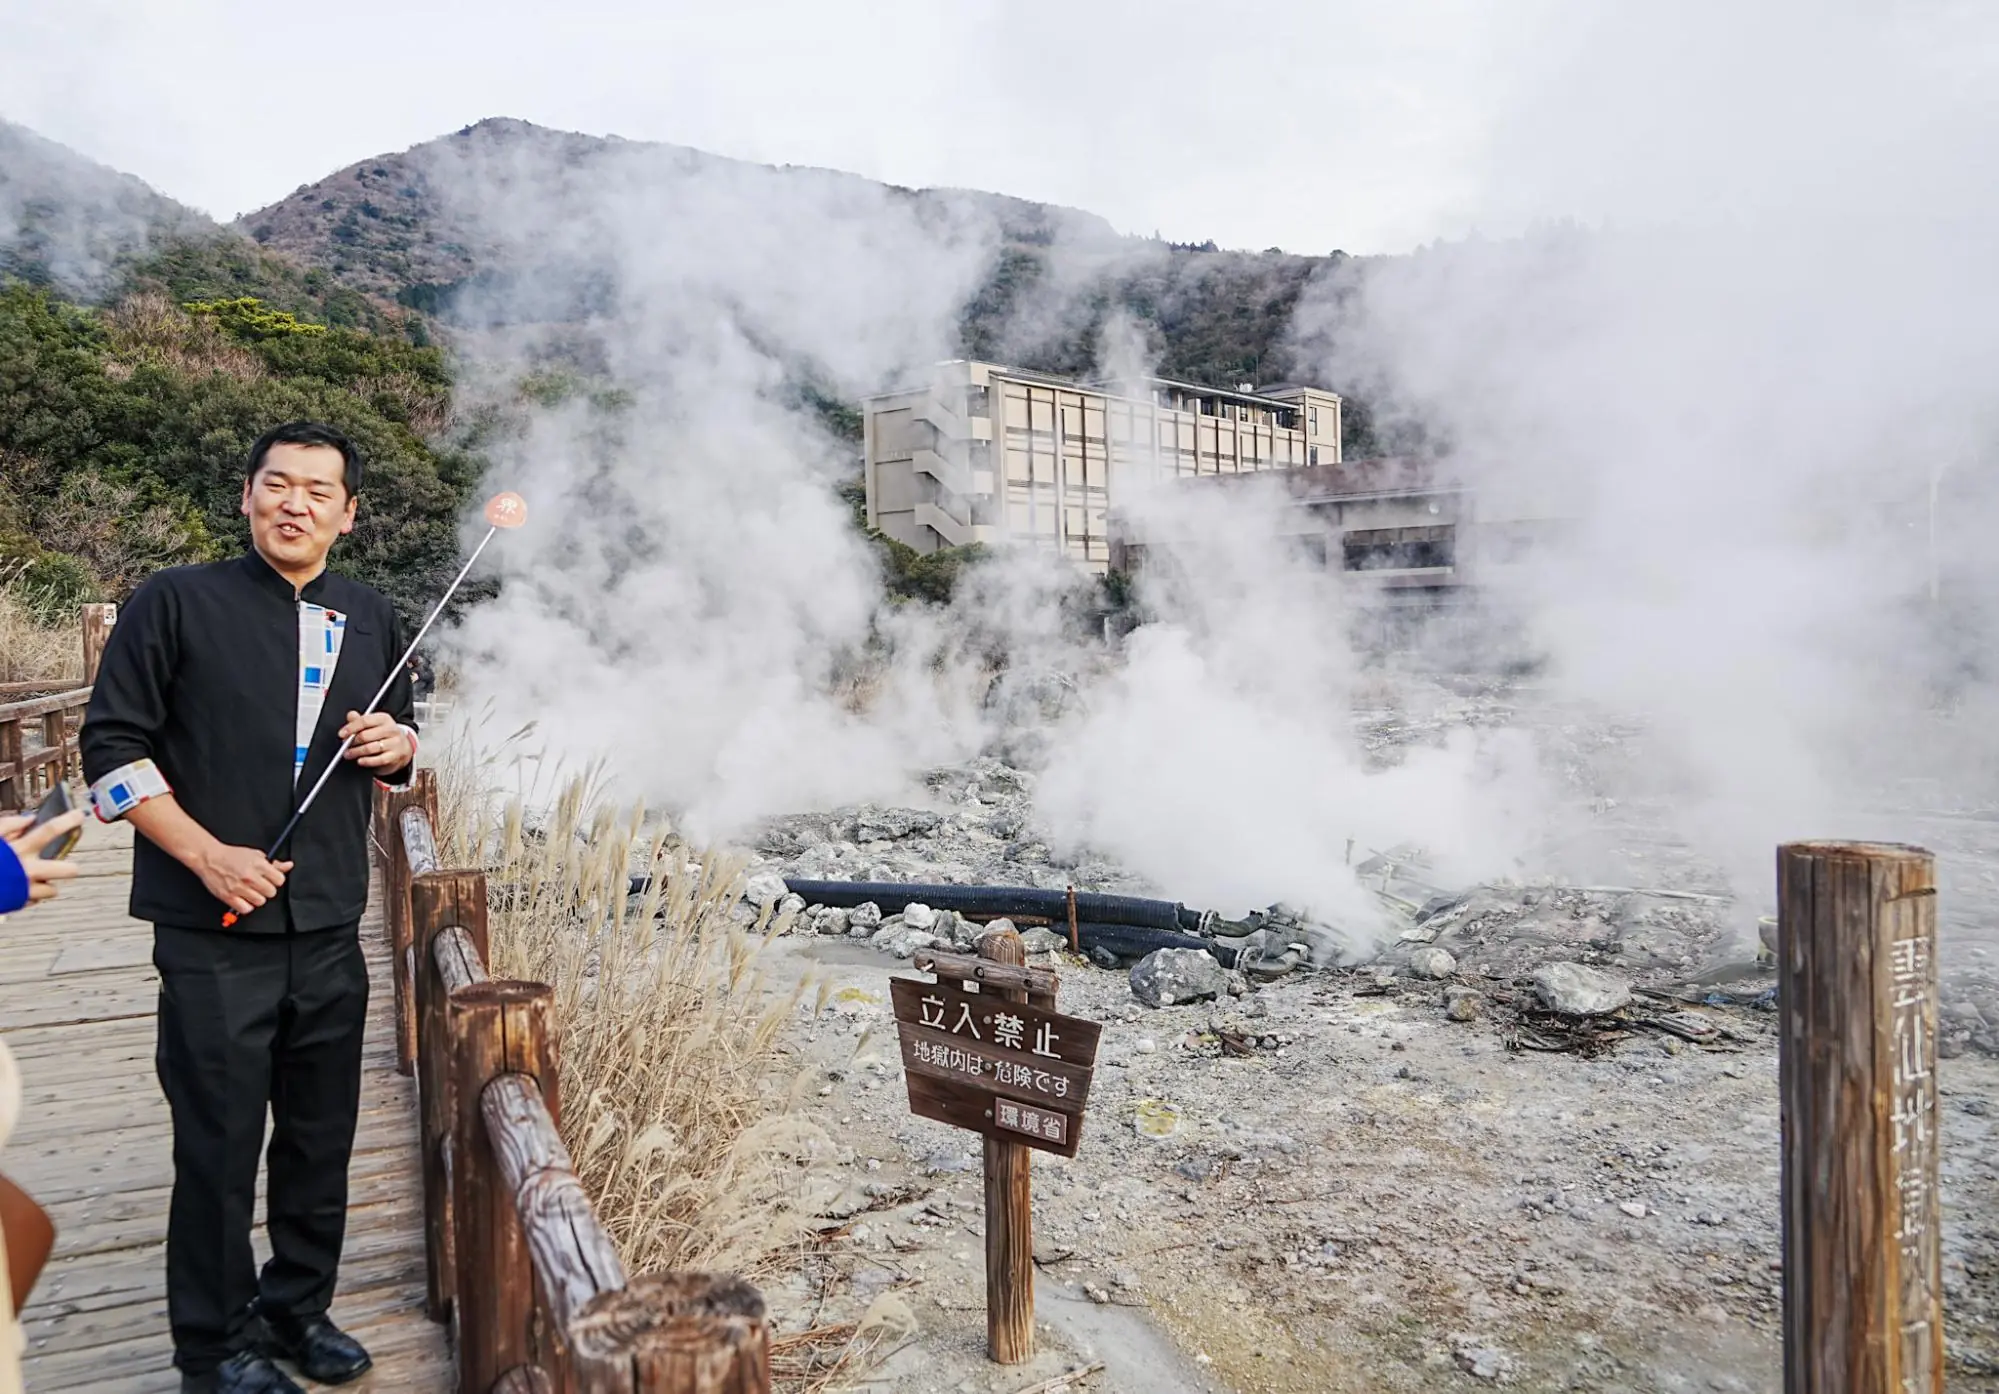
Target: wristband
<point>125,788</point>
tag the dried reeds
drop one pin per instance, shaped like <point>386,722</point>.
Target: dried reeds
<point>677,1108</point>
<point>31,651</point>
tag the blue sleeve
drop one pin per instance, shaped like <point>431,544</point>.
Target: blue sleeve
<point>13,881</point>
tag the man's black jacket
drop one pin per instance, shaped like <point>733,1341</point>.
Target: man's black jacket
<point>201,675</point>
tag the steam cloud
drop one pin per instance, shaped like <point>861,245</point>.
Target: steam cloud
<point>1742,395</point>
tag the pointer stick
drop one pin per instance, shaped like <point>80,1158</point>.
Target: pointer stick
<point>502,511</point>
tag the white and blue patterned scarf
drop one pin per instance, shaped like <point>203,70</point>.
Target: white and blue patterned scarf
<point>320,632</point>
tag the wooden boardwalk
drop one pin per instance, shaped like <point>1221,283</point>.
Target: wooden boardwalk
<point>77,1001</point>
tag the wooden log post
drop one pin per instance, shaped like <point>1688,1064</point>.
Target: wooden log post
<point>1009,1208</point>
<point>573,1256</point>
<point>55,737</point>
<point>495,1028</point>
<point>448,913</point>
<point>13,783</point>
<point>673,1333</point>
<point>408,847</point>
<point>525,1379</point>
<point>1857,964</point>
<point>97,623</point>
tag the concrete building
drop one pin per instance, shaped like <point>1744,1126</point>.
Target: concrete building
<point>1412,538</point>
<point>982,453</point>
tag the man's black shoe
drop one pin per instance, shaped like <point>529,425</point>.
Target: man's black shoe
<point>321,1350</point>
<point>246,1372</point>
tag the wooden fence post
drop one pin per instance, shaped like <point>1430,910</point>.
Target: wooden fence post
<point>440,900</point>
<point>97,623</point>
<point>673,1333</point>
<point>495,1028</point>
<point>1863,1310</point>
<point>397,849</point>
<point>13,785</point>
<point>1009,1210</point>
<point>55,736</point>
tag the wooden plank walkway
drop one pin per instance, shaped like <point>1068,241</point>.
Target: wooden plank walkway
<point>77,1001</point>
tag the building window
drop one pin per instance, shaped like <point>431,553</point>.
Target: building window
<point>1400,549</point>
<point>1313,455</point>
<point>1315,424</point>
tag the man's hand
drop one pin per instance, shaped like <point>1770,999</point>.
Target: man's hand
<point>240,877</point>
<point>27,845</point>
<point>379,744</point>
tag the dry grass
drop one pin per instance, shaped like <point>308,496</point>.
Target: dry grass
<point>679,1106</point>
<point>149,327</point>
<point>34,652</point>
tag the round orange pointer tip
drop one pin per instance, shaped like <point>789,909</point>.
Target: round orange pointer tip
<point>228,918</point>
<point>508,510</point>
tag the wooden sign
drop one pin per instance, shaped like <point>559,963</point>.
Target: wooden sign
<point>984,1049</point>
<point>976,1060</point>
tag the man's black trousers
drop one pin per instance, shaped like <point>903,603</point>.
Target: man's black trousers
<point>249,1021</point>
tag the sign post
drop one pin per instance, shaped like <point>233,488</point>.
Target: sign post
<point>1857,991</point>
<point>983,1048</point>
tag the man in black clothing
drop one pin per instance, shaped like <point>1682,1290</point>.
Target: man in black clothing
<point>218,704</point>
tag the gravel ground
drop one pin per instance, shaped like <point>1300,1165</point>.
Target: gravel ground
<point>1366,1194</point>
<point>1387,1200</point>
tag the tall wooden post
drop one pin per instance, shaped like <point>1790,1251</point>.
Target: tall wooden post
<point>1863,1290</point>
<point>55,736</point>
<point>97,622</point>
<point>440,900</point>
<point>13,785</point>
<point>402,857</point>
<point>1009,1211</point>
<point>495,1028</point>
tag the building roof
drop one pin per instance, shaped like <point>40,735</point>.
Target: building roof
<point>1115,387</point>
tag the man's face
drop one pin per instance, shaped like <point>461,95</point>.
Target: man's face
<point>297,504</point>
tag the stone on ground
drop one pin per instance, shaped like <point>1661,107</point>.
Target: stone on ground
<point>1573,990</point>
<point>1170,977</point>
<point>1430,961</point>
<point>764,890</point>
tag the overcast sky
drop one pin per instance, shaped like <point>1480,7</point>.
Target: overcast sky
<point>1308,124</point>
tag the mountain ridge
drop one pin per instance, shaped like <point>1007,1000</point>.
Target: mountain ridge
<point>371,243</point>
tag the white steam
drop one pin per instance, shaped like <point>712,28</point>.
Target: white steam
<point>690,580</point>
<point>1742,396</point>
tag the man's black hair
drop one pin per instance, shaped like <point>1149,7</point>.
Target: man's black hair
<point>309,433</point>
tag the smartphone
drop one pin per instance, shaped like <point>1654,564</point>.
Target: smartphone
<point>54,806</point>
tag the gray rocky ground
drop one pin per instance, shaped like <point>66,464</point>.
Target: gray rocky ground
<point>1436,1165</point>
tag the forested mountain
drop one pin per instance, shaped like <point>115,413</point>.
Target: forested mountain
<point>72,224</point>
<point>388,226</point>
<point>142,350</point>
<point>143,347</point>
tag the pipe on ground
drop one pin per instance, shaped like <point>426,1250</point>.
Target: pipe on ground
<point>1052,906</point>
<point>1110,928</point>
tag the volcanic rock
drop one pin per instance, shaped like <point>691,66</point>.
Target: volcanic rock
<point>1168,977</point>
<point>1573,990</point>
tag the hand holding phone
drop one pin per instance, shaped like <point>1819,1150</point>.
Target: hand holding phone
<point>58,804</point>
<point>29,865</point>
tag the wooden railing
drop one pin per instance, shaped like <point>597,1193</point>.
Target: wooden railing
<point>517,1261</point>
<point>55,710</point>
<point>25,777</point>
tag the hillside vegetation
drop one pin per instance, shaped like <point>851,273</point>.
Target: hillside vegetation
<point>143,348</point>
<point>124,428</point>
<point>393,227</point>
